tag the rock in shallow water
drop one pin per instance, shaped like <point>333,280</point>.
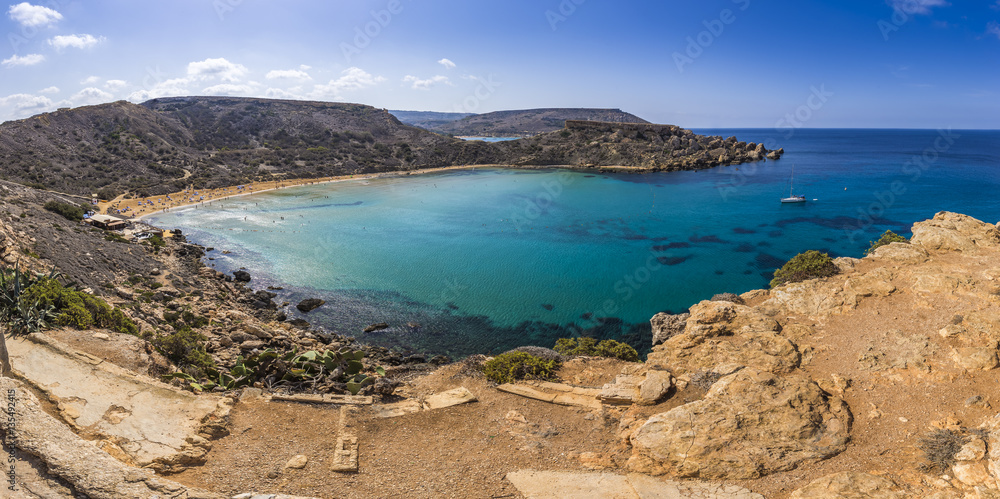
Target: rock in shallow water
<point>309,304</point>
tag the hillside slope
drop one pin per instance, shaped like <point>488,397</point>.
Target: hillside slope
<point>165,145</point>
<point>528,122</point>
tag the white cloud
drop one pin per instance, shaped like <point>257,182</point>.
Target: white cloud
<point>278,93</point>
<point>230,89</point>
<point>352,78</point>
<point>418,84</point>
<point>221,68</point>
<point>33,15</point>
<point>993,27</point>
<point>115,84</point>
<point>917,6</point>
<point>90,80</point>
<point>306,67</point>
<point>26,60</point>
<point>76,41</point>
<point>49,90</point>
<point>447,63</point>
<point>27,104</point>
<point>174,87</point>
<point>90,96</point>
<point>287,74</point>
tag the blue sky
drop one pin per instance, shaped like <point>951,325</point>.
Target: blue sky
<point>716,63</point>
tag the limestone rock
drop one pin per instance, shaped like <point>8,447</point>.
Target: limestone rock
<point>666,326</point>
<point>709,319</point>
<point>975,358</point>
<point>642,389</point>
<point>954,232</point>
<point>850,485</point>
<point>297,462</point>
<point>749,424</point>
<point>874,283</point>
<point>901,253</point>
<point>91,471</point>
<point>460,395</point>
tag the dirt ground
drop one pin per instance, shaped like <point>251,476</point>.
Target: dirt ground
<point>461,451</point>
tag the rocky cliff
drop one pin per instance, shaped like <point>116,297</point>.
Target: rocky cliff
<point>876,382</point>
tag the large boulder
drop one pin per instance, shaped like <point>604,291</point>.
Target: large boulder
<point>954,232</point>
<point>310,304</point>
<point>750,424</point>
<point>666,326</point>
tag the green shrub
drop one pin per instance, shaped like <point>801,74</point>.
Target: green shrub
<point>591,348</point>
<point>887,238</point>
<point>511,366</point>
<point>78,309</point>
<point>68,211</point>
<point>186,348</point>
<point>808,265</point>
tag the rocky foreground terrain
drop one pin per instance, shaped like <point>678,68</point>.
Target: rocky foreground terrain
<point>875,382</point>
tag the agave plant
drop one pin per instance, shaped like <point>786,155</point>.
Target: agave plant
<point>20,316</point>
<point>269,366</point>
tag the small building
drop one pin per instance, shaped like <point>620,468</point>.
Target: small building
<point>106,222</point>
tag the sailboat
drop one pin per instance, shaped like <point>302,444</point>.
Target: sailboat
<point>792,198</point>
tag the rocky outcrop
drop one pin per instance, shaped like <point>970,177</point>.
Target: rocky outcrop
<point>88,469</point>
<point>750,424</point>
<point>666,326</point>
<point>949,231</point>
<point>723,332</point>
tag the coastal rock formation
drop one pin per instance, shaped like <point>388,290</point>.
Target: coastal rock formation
<point>310,304</point>
<point>954,232</point>
<point>666,326</point>
<point>751,423</point>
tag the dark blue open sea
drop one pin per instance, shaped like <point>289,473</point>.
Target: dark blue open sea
<point>479,261</point>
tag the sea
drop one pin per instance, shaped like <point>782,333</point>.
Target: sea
<point>482,260</point>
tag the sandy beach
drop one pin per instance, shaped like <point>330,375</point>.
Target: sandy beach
<point>139,208</point>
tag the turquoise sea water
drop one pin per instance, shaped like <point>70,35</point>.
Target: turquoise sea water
<point>474,261</point>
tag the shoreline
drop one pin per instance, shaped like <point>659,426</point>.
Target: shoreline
<point>165,202</point>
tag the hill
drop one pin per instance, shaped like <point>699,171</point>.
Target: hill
<point>428,120</point>
<point>164,145</point>
<point>527,122</point>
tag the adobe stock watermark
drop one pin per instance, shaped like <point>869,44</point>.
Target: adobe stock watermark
<point>902,12</point>
<point>224,7</point>
<point>29,32</point>
<point>785,127</point>
<point>796,119</point>
<point>485,88</point>
<point>562,12</point>
<point>11,441</point>
<point>364,34</point>
<point>913,169</point>
<point>714,28</point>
<point>535,207</point>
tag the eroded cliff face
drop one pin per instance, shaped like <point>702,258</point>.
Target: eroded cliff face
<point>841,378</point>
